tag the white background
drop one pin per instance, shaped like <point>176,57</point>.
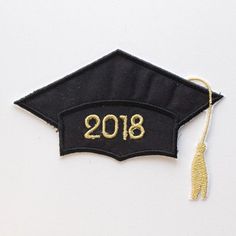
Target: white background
<point>87,194</point>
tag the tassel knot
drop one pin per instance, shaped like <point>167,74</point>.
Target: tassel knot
<point>201,148</point>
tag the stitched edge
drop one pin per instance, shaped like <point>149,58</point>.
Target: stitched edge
<point>216,97</point>
<point>119,158</point>
<point>64,151</point>
<point>36,112</point>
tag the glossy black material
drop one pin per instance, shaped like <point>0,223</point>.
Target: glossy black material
<point>159,138</point>
<point>115,77</point>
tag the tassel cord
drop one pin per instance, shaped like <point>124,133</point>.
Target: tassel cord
<point>199,171</point>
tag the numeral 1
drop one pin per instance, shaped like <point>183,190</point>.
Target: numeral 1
<point>125,131</point>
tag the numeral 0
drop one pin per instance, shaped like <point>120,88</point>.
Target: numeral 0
<point>136,124</point>
<point>104,132</point>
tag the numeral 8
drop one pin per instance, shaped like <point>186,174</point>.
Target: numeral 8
<point>136,126</point>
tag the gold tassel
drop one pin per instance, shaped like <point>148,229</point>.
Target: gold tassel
<point>199,170</point>
<point>199,173</point>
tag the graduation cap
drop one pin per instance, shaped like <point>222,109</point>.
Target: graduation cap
<point>120,106</point>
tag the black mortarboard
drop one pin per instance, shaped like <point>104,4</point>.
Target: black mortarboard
<point>120,106</point>
<point>169,101</point>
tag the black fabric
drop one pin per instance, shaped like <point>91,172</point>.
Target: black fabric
<point>119,76</point>
<point>115,77</point>
<point>159,138</point>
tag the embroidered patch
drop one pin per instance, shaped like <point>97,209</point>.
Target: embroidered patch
<point>119,129</point>
<point>120,106</point>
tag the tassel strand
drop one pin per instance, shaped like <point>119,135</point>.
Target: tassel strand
<point>199,170</point>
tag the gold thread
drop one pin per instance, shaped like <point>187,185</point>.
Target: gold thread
<point>135,126</point>
<point>104,132</point>
<point>199,170</point>
<point>125,131</point>
<point>88,134</point>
